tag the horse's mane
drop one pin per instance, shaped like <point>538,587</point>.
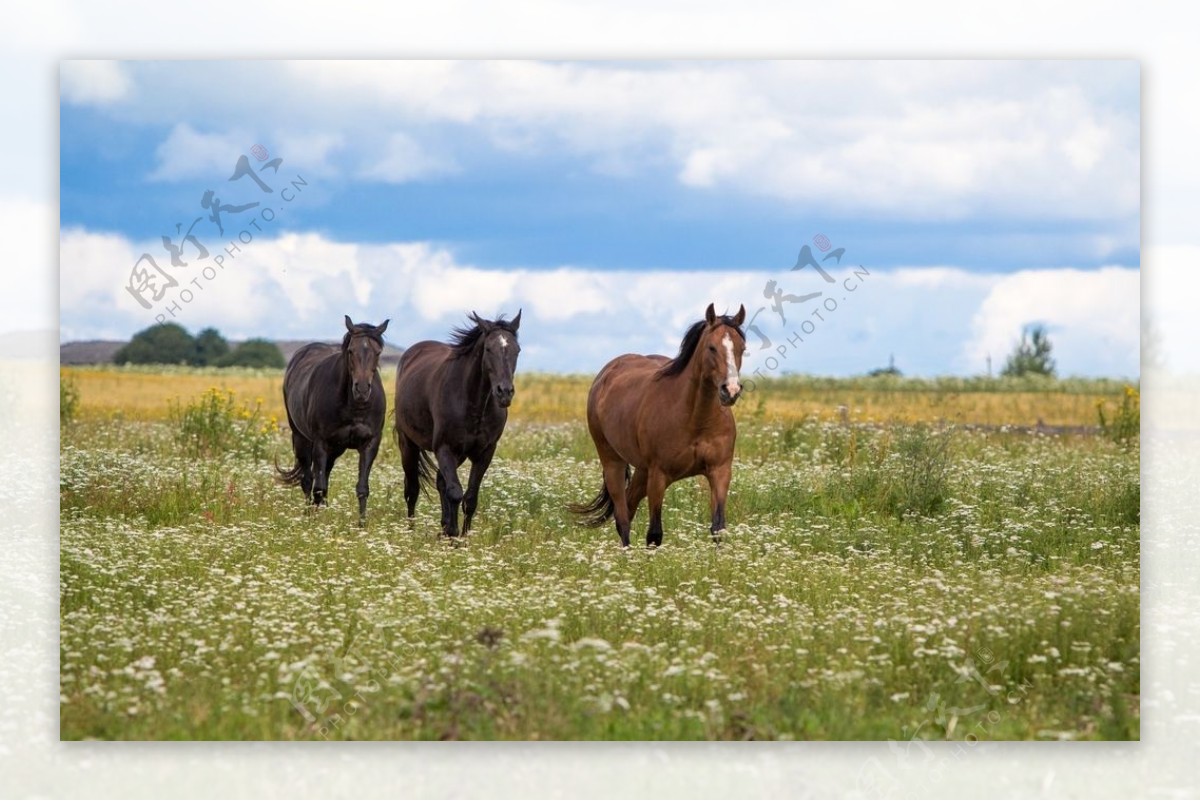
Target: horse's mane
<point>463,340</point>
<point>687,348</point>
<point>367,330</point>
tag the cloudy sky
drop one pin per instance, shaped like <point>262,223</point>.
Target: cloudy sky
<point>948,203</point>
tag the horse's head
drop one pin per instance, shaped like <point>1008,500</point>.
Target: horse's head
<point>500,350</point>
<point>361,346</point>
<point>721,347</point>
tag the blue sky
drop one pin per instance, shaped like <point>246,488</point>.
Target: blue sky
<point>613,200</point>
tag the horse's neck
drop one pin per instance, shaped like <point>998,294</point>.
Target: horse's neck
<point>477,389</point>
<point>697,396</point>
<point>343,380</point>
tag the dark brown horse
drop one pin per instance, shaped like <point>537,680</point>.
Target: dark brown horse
<point>667,419</point>
<point>452,401</point>
<point>335,401</point>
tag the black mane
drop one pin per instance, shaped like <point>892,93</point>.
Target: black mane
<point>463,340</point>
<point>366,329</point>
<point>687,348</point>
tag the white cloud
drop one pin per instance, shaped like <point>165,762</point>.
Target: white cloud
<point>187,153</point>
<point>935,320</point>
<point>90,270</point>
<point>95,83</point>
<point>402,159</point>
<point>1092,317</point>
<point>906,139</point>
<point>309,152</point>
<point>565,293</point>
<point>903,139</point>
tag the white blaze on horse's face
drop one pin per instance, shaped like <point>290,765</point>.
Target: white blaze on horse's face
<point>732,383</point>
<point>503,341</point>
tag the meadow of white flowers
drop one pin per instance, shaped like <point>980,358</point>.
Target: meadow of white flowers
<point>876,582</point>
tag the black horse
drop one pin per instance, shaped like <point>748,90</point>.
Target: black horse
<point>335,401</point>
<point>452,400</point>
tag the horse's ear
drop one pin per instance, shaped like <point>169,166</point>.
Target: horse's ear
<point>349,324</point>
<point>479,321</point>
<point>516,321</point>
<point>710,314</point>
<point>740,317</point>
<point>379,329</point>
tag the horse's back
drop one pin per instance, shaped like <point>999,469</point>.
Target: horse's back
<point>631,373</point>
<point>618,395</point>
<point>417,367</point>
<point>421,355</point>
<point>305,359</point>
<point>416,386</point>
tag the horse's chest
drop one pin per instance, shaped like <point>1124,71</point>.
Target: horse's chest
<point>475,432</point>
<point>699,456</point>
<point>355,434</point>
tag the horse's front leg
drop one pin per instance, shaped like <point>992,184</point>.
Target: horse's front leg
<point>366,458</point>
<point>320,472</point>
<point>656,490</point>
<point>451,490</point>
<point>471,496</point>
<point>718,490</point>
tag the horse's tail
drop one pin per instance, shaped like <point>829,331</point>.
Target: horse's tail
<point>426,466</point>
<point>426,469</point>
<point>290,478</point>
<point>601,508</point>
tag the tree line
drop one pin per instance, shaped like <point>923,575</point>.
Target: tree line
<point>170,343</point>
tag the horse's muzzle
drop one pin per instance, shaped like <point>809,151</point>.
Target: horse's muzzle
<point>726,398</point>
<point>504,396</point>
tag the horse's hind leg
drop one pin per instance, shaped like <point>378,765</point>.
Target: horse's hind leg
<point>471,496</point>
<point>303,450</point>
<point>636,492</point>
<point>441,488</point>
<point>410,460</point>
<point>616,473</point>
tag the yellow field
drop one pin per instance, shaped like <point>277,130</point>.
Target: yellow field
<point>146,394</point>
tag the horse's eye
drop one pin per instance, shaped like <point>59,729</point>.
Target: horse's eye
<point>712,348</point>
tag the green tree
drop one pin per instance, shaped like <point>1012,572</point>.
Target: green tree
<point>165,343</point>
<point>210,347</point>
<point>1031,356</point>
<point>254,353</point>
<point>891,369</point>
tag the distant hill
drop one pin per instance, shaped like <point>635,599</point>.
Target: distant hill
<point>389,358</point>
<point>101,351</point>
<point>92,351</point>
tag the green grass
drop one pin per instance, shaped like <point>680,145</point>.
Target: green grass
<point>876,582</point>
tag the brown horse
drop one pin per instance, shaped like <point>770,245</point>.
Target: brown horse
<point>668,419</point>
